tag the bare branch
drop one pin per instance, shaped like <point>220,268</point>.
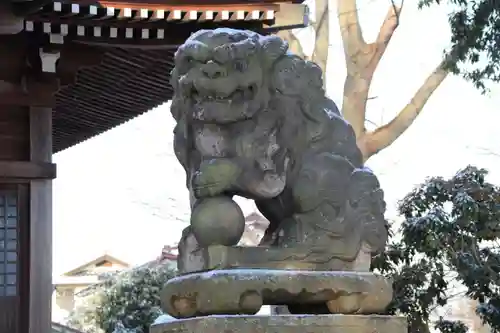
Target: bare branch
<point>323,13</point>
<point>293,42</point>
<point>396,10</point>
<point>371,122</point>
<point>386,31</point>
<point>361,60</point>
<point>321,27</point>
<point>350,28</point>
<point>382,137</point>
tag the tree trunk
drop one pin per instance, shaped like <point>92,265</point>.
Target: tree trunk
<point>322,40</point>
<point>362,60</point>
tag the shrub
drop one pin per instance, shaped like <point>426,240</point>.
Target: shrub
<point>126,303</point>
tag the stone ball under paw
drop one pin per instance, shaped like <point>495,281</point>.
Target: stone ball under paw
<point>217,221</point>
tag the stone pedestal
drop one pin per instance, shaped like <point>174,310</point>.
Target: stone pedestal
<point>226,301</point>
<point>286,324</point>
<point>244,291</point>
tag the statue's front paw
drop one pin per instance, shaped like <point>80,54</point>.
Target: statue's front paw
<point>215,177</point>
<point>203,187</point>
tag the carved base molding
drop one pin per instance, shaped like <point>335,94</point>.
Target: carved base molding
<point>244,291</point>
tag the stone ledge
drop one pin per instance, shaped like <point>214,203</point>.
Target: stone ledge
<point>286,324</point>
<point>346,258</point>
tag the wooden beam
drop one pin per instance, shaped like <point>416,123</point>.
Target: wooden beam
<point>12,57</point>
<point>40,224</point>
<point>124,44</point>
<point>27,170</point>
<point>290,16</point>
<point>30,91</point>
<point>19,98</point>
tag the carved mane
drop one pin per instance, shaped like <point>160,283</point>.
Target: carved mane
<point>296,85</point>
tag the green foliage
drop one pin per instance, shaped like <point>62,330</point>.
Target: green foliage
<point>129,302</point>
<point>83,318</point>
<point>450,235</point>
<point>475,27</point>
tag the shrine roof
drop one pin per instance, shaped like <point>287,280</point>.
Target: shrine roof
<point>126,84</point>
<point>138,39</point>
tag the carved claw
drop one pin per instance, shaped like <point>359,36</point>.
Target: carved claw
<point>185,307</point>
<point>250,302</point>
<point>345,304</point>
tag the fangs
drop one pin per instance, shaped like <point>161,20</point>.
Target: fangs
<point>238,95</point>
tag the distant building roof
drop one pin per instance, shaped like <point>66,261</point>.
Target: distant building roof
<point>169,252</point>
<point>105,258</point>
<point>168,255</point>
<point>256,226</point>
<point>257,220</point>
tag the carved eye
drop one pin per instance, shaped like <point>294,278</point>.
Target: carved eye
<point>240,65</point>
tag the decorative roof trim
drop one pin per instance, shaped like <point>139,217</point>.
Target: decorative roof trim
<point>165,13</point>
<point>58,31</point>
<point>62,19</point>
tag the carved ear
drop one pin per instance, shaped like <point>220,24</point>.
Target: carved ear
<point>273,47</point>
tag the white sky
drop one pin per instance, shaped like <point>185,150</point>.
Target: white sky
<point>124,192</point>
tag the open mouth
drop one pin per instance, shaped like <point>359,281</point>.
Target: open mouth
<point>238,95</point>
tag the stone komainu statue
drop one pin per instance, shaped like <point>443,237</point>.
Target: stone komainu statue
<point>253,120</point>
